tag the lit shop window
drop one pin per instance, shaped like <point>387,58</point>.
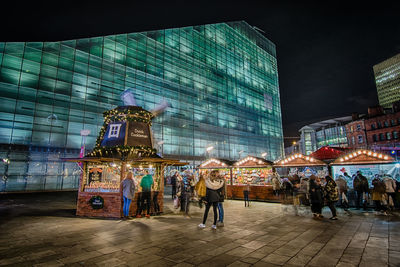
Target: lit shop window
<point>114,130</point>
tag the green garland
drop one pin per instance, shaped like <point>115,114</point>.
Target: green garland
<point>123,151</point>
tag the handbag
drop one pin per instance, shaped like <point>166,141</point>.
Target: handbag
<point>176,203</point>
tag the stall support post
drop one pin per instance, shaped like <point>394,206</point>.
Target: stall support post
<point>231,173</point>
<point>162,167</point>
<point>123,174</point>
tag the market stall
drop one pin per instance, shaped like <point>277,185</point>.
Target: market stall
<point>124,145</point>
<point>302,166</point>
<point>255,172</point>
<point>224,166</point>
<point>370,163</point>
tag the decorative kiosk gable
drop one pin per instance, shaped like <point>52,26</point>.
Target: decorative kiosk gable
<point>214,163</point>
<point>363,157</point>
<point>298,160</point>
<point>252,162</point>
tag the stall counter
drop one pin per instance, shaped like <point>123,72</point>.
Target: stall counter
<point>257,192</point>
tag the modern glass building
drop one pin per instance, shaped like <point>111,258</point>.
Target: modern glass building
<point>330,132</point>
<point>221,81</point>
<point>387,79</point>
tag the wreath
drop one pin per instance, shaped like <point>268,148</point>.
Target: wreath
<point>97,202</point>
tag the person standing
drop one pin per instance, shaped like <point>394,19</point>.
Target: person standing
<point>145,184</point>
<point>360,185</point>
<point>378,192</point>
<point>212,197</point>
<point>128,192</point>
<point>246,192</point>
<point>390,186</point>
<point>316,196</point>
<point>342,190</point>
<point>276,182</point>
<point>332,195</point>
<point>173,184</point>
<point>221,193</point>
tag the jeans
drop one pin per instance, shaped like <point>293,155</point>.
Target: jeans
<point>208,205</point>
<point>127,204</point>
<point>246,198</point>
<point>220,212</point>
<point>331,205</point>
<point>139,203</point>
<point>359,200</point>
<point>146,196</point>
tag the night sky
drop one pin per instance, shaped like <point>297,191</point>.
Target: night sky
<point>325,52</point>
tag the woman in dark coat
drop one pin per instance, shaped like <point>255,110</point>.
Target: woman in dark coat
<point>316,196</point>
<point>213,183</point>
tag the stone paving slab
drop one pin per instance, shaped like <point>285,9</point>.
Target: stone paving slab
<point>41,233</point>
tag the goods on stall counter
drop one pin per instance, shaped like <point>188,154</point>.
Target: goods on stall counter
<point>102,187</point>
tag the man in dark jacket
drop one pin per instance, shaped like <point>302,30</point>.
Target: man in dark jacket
<point>360,185</point>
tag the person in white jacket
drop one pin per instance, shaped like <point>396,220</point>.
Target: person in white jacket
<point>390,186</point>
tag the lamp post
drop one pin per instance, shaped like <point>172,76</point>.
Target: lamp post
<point>209,149</point>
<point>84,133</point>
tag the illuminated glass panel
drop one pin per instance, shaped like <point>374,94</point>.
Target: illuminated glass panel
<point>221,81</point>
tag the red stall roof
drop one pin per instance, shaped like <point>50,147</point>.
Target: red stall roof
<point>328,153</point>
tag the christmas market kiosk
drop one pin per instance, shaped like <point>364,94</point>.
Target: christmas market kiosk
<point>302,166</point>
<point>222,165</point>
<point>368,162</point>
<point>124,145</point>
<point>254,172</point>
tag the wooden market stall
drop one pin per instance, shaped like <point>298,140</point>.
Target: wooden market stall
<point>124,145</point>
<point>368,162</point>
<point>223,165</point>
<point>301,165</point>
<point>254,171</point>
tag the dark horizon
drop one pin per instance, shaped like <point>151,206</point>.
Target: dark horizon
<point>325,54</point>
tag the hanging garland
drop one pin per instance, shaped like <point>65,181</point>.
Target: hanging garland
<point>123,151</point>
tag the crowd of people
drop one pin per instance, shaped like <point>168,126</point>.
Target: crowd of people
<point>382,194</point>
<point>144,198</point>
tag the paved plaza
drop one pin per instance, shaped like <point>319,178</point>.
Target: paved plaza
<point>41,230</point>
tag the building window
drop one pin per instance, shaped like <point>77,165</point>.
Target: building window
<point>386,123</point>
<point>381,137</point>
<point>395,135</point>
<point>379,125</point>
<point>114,130</point>
<point>353,141</point>
<point>392,122</point>
<point>372,126</point>
<point>388,136</point>
<point>358,127</point>
<point>351,128</point>
<point>360,139</point>
<point>375,138</point>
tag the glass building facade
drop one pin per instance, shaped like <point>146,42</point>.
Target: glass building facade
<point>221,81</point>
<point>387,79</point>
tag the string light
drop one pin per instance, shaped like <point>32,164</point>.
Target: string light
<point>363,152</point>
<point>296,156</point>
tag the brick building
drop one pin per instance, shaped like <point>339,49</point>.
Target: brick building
<point>383,128</point>
<point>356,133</point>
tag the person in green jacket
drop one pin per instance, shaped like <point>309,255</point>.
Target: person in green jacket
<point>146,184</point>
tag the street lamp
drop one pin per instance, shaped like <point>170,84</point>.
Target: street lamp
<point>209,149</point>
<point>84,133</point>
